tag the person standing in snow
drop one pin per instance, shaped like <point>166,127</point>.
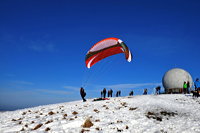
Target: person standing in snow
<point>197,85</point>
<point>83,94</point>
<point>101,94</point>
<point>104,93</point>
<point>188,87</point>
<point>119,93</point>
<point>158,90</point>
<point>131,93</point>
<point>145,92</point>
<point>184,87</point>
<point>111,91</point>
<point>108,93</point>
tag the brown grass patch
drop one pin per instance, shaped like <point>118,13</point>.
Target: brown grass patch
<point>153,116</point>
<point>51,113</point>
<point>49,121</point>
<point>165,113</point>
<point>160,115</point>
<point>133,108</point>
<point>119,121</point>
<point>47,129</point>
<point>38,126</point>
<point>104,106</point>
<point>87,123</point>
<point>37,116</point>
<point>95,110</point>
<point>119,130</point>
<point>124,104</point>
<point>97,120</point>
<point>23,113</point>
<point>22,129</point>
<point>84,130</point>
<point>75,113</point>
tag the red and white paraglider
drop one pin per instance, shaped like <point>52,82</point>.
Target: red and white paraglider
<point>105,48</point>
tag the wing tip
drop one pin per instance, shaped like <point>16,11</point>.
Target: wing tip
<point>129,57</point>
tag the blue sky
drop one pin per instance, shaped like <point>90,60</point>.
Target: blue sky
<point>43,45</point>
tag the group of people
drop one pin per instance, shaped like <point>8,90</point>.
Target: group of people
<point>186,87</point>
<point>118,94</point>
<point>110,93</point>
<point>103,93</point>
<point>186,90</point>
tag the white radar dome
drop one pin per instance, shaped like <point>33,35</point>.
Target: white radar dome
<point>173,80</point>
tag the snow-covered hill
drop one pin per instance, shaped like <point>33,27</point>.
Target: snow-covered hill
<point>137,114</point>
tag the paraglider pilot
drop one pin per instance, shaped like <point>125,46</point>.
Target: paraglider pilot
<point>83,94</point>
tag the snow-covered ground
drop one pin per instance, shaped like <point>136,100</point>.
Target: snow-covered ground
<point>138,114</point>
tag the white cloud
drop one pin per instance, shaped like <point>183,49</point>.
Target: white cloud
<point>72,88</point>
<point>94,87</point>
<point>10,75</point>
<point>22,82</point>
<point>60,92</point>
<point>42,47</point>
<point>126,86</point>
<point>36,48</point>
<point>50,47</point>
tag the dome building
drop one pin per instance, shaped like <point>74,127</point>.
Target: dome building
<point>173,80</point>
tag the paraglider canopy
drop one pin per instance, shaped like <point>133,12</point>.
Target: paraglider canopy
<point>105,48</point>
